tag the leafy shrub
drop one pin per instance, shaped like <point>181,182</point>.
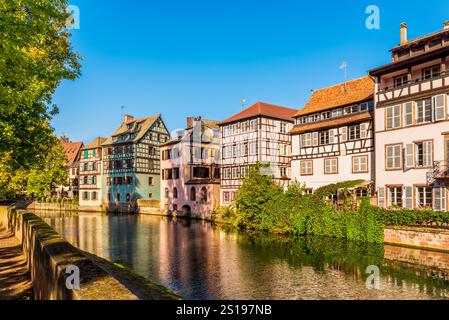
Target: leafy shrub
<point>263,206</point>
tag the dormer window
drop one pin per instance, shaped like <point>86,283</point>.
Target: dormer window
<point>325,115</point>
<point>337,113</point>
<point>401,81</point>
<point>431,73</point>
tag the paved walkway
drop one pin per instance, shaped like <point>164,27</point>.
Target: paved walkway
<point>15,283</point>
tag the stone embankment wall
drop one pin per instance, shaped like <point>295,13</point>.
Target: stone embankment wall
<point>429,238</point>
<point>63,206</point>
<point>48,256</point>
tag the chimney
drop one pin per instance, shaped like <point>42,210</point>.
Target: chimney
<point>192,120</point>
<point>128,118</point>
<point>403,33</point>
<point>446,25</point>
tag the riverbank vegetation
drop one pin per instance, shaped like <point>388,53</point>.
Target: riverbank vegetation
<point>261,205</point>
<point>35,56</point>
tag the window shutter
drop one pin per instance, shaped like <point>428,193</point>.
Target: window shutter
<point>397,155</point>
<point>408,116</point>
<point>439,107</point>
<point>381,197</point>
<point>363,131</point>
<point>408,203</point>
<point>428,153</point>
<point>389,118</point>
<point>409,155</point>
<point>443,199</point>
<point>331,136</point>
<point>344,134</point>
<point>397,116</point>
<point>315,138</point>
<point>437,198</point>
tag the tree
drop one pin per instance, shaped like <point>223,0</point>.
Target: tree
<point>44,177</point>
<point>255,193</point>
<point>35,56</point>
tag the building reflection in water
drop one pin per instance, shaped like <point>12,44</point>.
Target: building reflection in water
<point>200,262</point>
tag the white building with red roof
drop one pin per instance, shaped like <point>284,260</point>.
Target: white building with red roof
<point>333,139</point>
<point>257,134</point>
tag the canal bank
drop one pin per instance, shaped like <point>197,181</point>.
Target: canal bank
<point>49,258</point>
<point>198,260</point>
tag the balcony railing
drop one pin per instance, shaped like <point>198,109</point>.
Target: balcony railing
<point>439,171</point>
<point>414,87</point>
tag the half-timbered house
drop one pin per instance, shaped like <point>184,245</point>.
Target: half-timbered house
<point>90,176</point>
<point>131,162</point>
<point>258,134</point>
<point>412,123</point>
<point>332,140</point>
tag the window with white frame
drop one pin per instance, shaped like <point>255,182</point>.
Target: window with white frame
<point>423,151</point>
<point>253,125</point>
<point>430,73</point>
<point>393,117</point>
<point>306,167</point>
<point>393,157</point>
<point>284,150</point>
<point>354,132</point>
<point>235,173</point>
<point>395,197</point>
<point>439,198</point>
<point>360,164</point>
<point>253,148</point>
<point>424,111</point>
<point>424,197</point>
<point>283,127</point>
<point>306,140</point>
<point>324,137</point>
<point>401,80</point>
<point>331,166</point>
<point>283,171</point>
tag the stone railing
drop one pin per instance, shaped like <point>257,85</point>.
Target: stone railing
<point>50,257</point>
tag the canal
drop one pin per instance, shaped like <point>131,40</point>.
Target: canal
<point>199,261</point>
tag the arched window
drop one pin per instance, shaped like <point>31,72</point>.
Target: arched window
<point>203,195</point>
<point>192,194</point>
<point>175,193</point>
<point>166,193</point>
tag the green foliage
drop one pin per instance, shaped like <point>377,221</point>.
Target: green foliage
<point>252,198</point>
<point>262,206</point>
<point>332,189</point>
<point>44,177</point>
<point>35,56</point>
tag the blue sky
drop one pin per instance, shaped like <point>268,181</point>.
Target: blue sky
<point>202,57</point>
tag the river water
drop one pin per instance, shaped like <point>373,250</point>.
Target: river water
<point>199,261</point>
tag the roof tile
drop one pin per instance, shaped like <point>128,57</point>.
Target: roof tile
<point>340,95</point>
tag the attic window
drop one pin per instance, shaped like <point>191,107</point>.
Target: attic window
<point>403,53</point>
<point>418,49</point>
<point>435,43</point>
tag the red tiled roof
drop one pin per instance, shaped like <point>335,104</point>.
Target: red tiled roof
<point>72,150</point>
<point>321,125</point>
<point>340,95</point>
<point>263,109</point>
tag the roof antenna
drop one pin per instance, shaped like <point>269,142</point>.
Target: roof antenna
<point>123,113</point>
<point>344,66</point>
<point>243,104</point>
